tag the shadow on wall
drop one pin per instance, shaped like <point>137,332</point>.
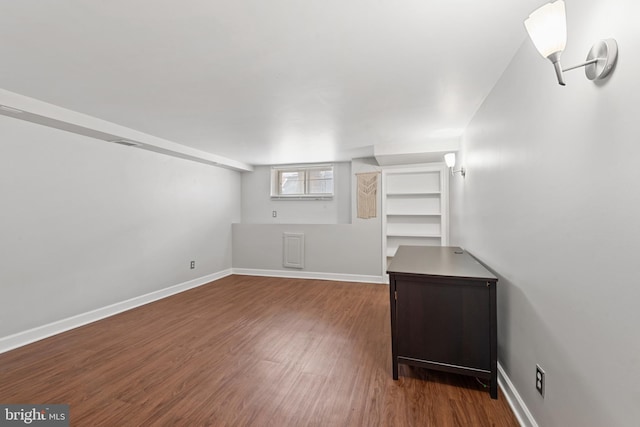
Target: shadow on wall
<point>557,364</point>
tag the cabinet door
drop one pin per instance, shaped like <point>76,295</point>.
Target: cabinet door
<point>444,321</point>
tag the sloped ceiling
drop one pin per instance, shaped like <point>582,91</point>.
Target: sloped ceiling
<point>266,82</point>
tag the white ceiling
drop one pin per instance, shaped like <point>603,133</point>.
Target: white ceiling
<point>266,81</point>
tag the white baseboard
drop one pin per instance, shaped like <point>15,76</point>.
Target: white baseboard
<point>41,332</point>
<point>292,274</point>
<point>515,401</point>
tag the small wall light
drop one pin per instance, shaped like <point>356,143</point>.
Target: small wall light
<point>450,160</point>
<point>547,28</point>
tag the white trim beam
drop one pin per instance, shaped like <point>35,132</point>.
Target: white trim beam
<point>45,114</point>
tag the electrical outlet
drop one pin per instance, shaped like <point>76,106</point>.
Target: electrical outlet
<point>540,380</point>
<point>193,265</point>
<point>274,214</point>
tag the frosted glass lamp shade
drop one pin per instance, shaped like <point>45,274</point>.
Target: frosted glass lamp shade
<point>450,159</point>
<point>547,28</point>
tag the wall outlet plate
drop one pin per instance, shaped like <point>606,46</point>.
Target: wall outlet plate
<point>540,380</point>
<point>193,265</point>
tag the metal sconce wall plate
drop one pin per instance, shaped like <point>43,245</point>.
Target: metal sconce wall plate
<point>605,52</point>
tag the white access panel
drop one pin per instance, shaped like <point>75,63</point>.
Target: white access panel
<point>293,245</point>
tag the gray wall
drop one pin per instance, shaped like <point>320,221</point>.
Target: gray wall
<point>354,248</point>
<point>551,203</point>
<point>257,205</point>
<point>85,223</point>
<point>329,248</point>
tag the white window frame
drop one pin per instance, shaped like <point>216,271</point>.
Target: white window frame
<point>306,169</point>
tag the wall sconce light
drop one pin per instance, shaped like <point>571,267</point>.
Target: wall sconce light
<point>547,28</point>
<point>450,160</point>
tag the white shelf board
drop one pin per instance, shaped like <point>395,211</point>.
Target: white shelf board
<point>415,193</point>
<point>414,214</point>
<point>429,235</point>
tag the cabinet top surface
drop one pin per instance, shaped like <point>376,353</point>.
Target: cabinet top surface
<point>446,261</point>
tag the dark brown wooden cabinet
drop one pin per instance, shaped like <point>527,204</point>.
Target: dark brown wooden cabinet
<point>443,312</point>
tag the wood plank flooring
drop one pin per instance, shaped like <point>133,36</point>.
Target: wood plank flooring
<point>245,351</point>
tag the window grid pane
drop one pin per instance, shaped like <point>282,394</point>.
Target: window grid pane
<point>320,181</point>
<point>291,182</point>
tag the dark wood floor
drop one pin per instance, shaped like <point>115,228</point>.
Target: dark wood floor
<point>245,351</point>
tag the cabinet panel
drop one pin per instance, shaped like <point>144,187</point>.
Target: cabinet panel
<point>444,323</point>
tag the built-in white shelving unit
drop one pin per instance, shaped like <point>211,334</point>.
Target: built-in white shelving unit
<point>415,207</point>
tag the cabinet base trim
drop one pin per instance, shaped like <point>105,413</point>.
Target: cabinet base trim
<point>445,367</point>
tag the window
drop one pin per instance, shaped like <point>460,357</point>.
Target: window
<point>302,182</point>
